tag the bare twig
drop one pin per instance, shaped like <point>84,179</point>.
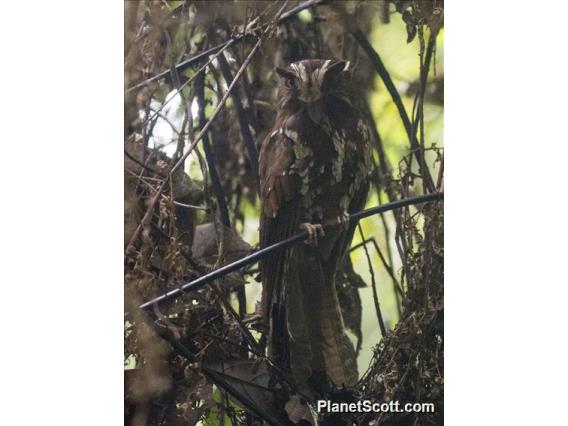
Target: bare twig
<point>418,144</point>
<point>253,344</point>
<point>243,121</point>
<point>182,66</point>
<point>179,89</point>
<point>385,76</point>
<point>204,129</point>
<point>144,166</point>
<point>373,284</point>
<point>372,240</point>
<point>190,206</point>
<point>215,180</point>
<point>383,181</point>
<point>398,294</point>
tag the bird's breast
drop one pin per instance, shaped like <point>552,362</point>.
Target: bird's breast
<point>332,167</point>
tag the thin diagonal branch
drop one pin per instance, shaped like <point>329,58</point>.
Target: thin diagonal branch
<point>253,344</point>
<point>214,376</point>
<point>243,121</point>
<point>373,284</point>
<point>179,89</point>
<point>252,258</point>
<point>182,66</point>
<point>203,131</point>
<point>215,180</point>
<point>375,58</point>
<point>418,119</point>
<point>387,266</point>
<point>383,181</point>
<point>385,76</point>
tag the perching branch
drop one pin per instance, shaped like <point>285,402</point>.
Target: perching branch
<point>252,258</point>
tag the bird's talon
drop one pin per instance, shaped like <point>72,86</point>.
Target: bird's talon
<point>343,220</point>
<point>314,231</point>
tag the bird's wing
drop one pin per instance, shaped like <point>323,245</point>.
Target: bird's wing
<point>361,166</point>
<point>280,213</point>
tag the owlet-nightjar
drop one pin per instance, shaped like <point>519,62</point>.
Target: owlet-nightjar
<point>315,165</point>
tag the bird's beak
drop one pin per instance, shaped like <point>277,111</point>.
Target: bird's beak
<point>315,110</point>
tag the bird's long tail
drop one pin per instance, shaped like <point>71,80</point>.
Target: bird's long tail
<point>317,339</point>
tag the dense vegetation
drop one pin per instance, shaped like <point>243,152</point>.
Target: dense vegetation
<point>199,99</point>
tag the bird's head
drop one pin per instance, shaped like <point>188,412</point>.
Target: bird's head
<point>311,81</point>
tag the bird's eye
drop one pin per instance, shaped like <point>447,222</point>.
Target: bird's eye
<point>291,83</point>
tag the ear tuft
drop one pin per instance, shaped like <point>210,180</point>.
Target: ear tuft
<point>285,73</point>
<point>337,68</point>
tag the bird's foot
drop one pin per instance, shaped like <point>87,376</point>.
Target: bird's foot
<point>343,221</point>
<point>314,230</point>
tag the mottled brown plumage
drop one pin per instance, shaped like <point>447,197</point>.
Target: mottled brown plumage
<point>314,168</point>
